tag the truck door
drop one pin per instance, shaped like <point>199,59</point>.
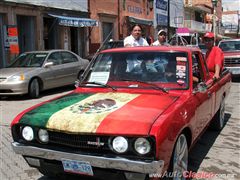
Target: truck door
<point>203,100</point>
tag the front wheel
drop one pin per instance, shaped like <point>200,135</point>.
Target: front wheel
<point>34,89</point>
<point>179,160</point>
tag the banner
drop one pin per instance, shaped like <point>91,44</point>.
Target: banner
<point>12,33</point>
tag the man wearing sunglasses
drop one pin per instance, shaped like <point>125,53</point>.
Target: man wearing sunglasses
<point>214,56</point>
<point>161,39</point>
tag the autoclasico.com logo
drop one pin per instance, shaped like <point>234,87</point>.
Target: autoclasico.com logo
<point>192,175</point>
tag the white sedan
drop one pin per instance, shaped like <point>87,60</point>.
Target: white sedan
<point>33,72</point>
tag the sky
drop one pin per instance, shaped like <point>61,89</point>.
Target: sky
<point>231,5</point>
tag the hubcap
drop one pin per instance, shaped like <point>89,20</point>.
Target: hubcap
<point>180,160</point>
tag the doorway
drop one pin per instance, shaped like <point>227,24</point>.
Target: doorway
<point>50,33</point>
<point>78,41</point>
<point>26,33</point>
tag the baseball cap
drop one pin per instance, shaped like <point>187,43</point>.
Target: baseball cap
<point>209,35</point>
<point>162,31</point>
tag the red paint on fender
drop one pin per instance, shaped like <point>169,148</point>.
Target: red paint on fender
<point>137,116</point>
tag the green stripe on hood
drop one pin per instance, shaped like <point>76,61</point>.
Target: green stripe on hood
<point>40,116</point>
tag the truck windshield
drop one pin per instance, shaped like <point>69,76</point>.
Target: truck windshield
<point>167,70</point>
<point>230,45</point>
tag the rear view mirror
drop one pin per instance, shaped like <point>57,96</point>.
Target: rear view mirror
<point>201,88</point>
<point>48,64</point>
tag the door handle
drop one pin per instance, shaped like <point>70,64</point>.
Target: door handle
<point>209,94</point>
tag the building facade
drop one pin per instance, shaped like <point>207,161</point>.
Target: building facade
<point>42,25</point>
<point>116,19</point>
<point>231,23</point>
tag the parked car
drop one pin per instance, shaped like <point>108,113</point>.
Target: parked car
<point>35,71</point>
<point>231,50</point>
<point>136,112</point>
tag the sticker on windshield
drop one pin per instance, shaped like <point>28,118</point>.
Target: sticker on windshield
<point>181,68</point>
<point>184,59</point>
<point>180,82</point>
<point>180,74</point>
<point>100,77</point>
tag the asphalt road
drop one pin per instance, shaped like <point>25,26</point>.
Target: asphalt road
<point>216,153</point>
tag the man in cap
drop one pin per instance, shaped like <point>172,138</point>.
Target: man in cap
<point>214,56</point>
<point>161,39</point>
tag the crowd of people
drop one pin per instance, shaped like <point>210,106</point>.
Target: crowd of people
<point>214,56</point>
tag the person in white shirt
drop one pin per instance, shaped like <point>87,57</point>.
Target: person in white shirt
<point>135,39</point>
<point>161,39</point>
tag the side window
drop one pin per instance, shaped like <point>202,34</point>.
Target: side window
<point>197,69</point>
<point>55,58</point>
<point>68,57</point>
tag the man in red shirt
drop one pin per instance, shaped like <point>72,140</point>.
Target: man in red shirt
<point>214,56</point>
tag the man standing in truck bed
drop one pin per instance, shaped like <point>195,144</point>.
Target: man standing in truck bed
<point>214,56</point>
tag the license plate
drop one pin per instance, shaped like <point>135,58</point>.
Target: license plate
<point>79,167</point>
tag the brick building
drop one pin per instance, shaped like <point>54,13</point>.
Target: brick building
<point>116,18</point>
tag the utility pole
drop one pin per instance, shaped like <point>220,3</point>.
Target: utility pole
<point>214,3</point>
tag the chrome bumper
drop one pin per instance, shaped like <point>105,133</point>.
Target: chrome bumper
<point>15,88</point>
<point>234,70</point>
<point>95,161</point>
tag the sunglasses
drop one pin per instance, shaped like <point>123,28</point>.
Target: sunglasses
<point>208,40</point>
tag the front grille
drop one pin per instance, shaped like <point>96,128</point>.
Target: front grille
<point>79,141</point>
<point>232,61</point>
<point>90,144</point>
<point>6,91</point>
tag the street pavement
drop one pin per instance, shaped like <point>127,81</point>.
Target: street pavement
<point>216,153</point>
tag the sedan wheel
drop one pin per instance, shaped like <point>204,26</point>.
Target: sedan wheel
<point>219,118</point>
<point>180,158</point>
<point>34,89</point>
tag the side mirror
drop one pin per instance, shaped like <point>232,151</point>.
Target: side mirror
<point>201,88</point>
<point>48,64</point>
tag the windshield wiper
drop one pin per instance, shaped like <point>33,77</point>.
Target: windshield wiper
<point>148,83</point>
<point>98,83</point>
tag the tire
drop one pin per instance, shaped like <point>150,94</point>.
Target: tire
<point>34,88</point>
<point>218,121</point>
<point>179,159</point>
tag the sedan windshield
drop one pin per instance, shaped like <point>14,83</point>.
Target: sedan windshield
<point>230,45</point>
<point>29,60</point>
<point>152,70</point>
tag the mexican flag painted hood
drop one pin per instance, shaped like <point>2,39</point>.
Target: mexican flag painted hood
<point>105,113</point>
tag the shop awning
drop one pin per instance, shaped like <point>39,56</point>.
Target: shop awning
<point>75,21</point>
<point>140,21</point>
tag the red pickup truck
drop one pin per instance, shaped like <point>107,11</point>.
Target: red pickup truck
<point>231,50</point>
<point>135,114</point>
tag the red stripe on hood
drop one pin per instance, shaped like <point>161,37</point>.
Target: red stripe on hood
<point>137,116</point>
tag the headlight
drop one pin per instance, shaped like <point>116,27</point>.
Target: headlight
<point>120,144</point>
<point>142,146</point>
<point>20,77</point>
<point>43,135</point>
<point>27,133</point>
